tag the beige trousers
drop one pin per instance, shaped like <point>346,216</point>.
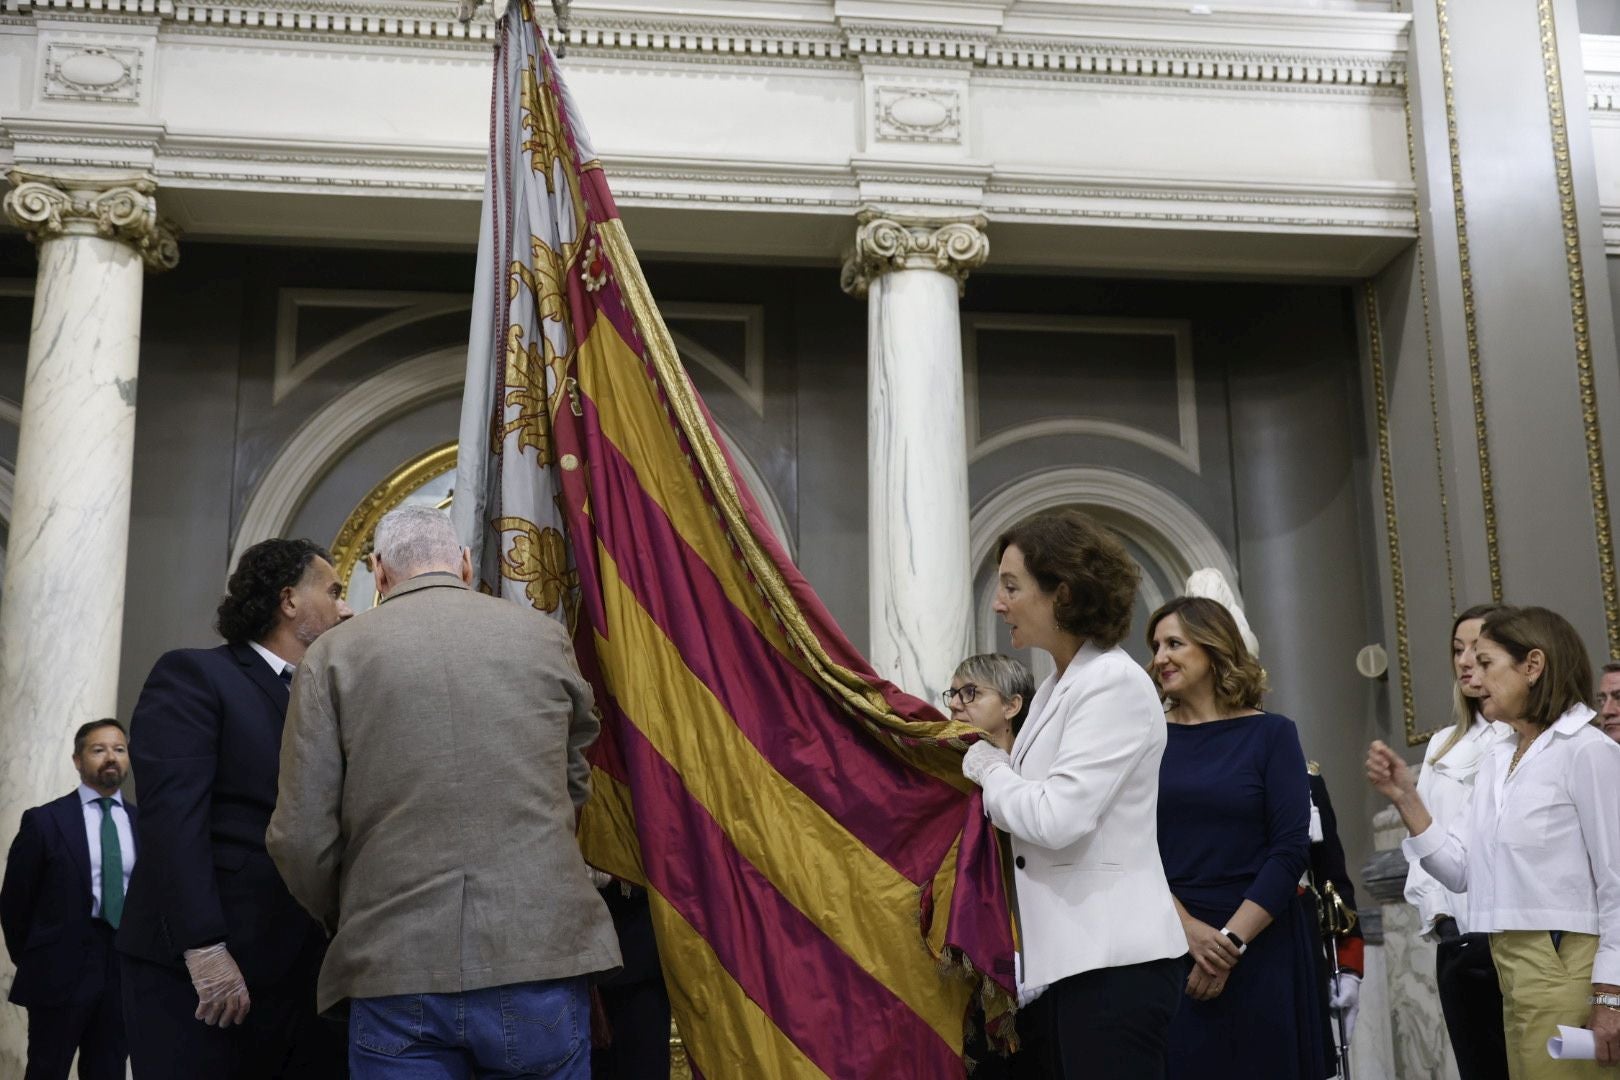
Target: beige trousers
<point>1542,988</point>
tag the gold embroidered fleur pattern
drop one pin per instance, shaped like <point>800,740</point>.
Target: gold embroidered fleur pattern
<point>534,383</point>
<point>539,558</point>
<point>543,278</point>
<point>545,138</point>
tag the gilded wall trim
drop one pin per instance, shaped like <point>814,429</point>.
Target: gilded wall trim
<point>1470,323</point>
<point>1428,351</point>
<point>1578,315</point>
<point>1392,530</point>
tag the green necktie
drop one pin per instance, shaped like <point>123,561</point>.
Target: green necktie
<point>112,866</point>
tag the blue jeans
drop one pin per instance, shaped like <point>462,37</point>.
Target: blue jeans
<point>537,1029</point>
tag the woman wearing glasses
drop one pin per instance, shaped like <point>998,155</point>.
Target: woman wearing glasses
<point>1078,794</point>
<point>991,692</point>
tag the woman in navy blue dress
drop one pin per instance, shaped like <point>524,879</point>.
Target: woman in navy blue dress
<point>1234,835</point>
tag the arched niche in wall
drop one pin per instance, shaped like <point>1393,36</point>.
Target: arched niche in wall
<point>1165,536</point>
<point>331,434</point>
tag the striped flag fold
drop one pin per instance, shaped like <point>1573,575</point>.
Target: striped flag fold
<point>828,898</point>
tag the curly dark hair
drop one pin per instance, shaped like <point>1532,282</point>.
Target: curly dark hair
<point>1086,569</point>
<point>248,610</point>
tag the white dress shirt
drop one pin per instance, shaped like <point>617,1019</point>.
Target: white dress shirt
<point>1541,848</point>
<point>1447,788</point>
<point>277,664</point>
<point>92,827</point>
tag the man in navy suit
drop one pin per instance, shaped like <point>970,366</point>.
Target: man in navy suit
<point>62,898</point>
<point>219,961</point>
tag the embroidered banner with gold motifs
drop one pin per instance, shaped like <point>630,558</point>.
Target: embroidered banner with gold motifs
<point>827,895</point>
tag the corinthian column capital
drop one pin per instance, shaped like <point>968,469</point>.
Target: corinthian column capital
<point>885,242</point>
<point>118,208</point>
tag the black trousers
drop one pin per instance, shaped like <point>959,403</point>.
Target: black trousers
<point>1471,1000</point>
<point>282,1038</point>
<point>634,999</point>
<point>1108,1024</point>
<point>90,1024</point>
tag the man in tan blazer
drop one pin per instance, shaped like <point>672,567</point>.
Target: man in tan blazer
<point>432,768</point>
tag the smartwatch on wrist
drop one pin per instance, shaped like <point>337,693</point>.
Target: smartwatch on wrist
<point>1242,946</point>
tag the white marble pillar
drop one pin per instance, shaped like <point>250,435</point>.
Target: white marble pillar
<point>912,272</point>
<point>62,605</point>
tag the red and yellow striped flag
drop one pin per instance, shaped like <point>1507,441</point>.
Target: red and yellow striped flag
<point>827,895</point>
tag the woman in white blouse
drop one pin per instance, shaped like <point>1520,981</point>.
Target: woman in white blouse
<point>1539,855</point>
<point>1469,996</point>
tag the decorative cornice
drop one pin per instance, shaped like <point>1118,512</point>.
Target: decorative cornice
<point>1336,52</point>
<point>1603,93</point>
<point>457,172</point>
<point>885,242</point>
<point>121,208</point>
<point>1191,63</point>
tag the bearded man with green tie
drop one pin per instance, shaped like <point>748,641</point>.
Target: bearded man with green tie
<point>62,898</point>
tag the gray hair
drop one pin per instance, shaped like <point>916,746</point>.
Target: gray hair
<point>415,539</point>
<point>1005,675</point>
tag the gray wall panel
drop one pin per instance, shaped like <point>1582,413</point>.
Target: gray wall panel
<point>185,450</point>
<point>1299,456</point>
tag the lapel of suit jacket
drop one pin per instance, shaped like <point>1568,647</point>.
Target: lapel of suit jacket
<point>1053,706</point>
<point>259,673</point>
<point>69,815</point>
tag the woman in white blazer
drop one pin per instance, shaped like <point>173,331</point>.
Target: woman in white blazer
<point>1470,997</point>
<point>1102,946</point>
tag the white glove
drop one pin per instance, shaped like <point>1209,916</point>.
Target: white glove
<point>1346,995</point>
<point>981,757</point>
<point>222,993</point>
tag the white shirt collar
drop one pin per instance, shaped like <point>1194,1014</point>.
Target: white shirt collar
<point>88,794</point>
<point>1576,718</point>
<point>277,664</point>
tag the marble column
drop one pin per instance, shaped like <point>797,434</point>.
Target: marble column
<point>63,598</point>
<point>912,271</point>
<point>1421,1048</point>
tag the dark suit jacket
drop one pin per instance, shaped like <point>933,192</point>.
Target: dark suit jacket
<point>45,904</point>
<point>205,748</point>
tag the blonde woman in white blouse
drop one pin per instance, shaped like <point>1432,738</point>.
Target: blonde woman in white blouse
<point>1539,855</point>
<point>1466,977</point>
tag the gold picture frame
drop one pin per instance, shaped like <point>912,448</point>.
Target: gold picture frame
<point>353,541</point>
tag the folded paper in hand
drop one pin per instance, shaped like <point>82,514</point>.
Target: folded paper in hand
<point>1572,1044</point>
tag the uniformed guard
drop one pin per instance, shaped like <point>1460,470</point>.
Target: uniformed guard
<point>1342,955</point>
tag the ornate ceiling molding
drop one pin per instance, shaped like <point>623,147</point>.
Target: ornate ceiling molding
<point>1321,51</point>
<point>224,162</point>
<point>1600,59</point>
